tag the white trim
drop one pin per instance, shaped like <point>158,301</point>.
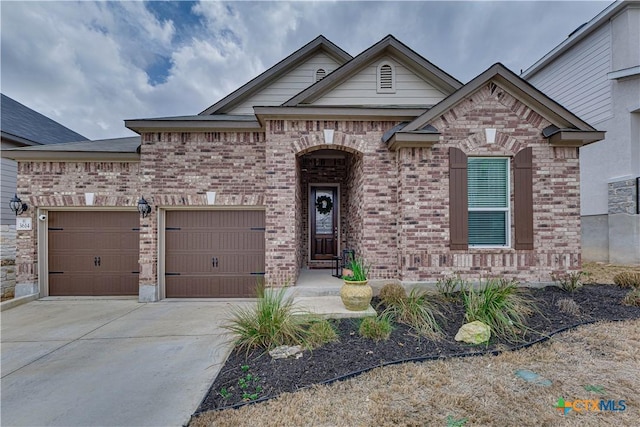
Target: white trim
<point>508,209</point>
<point>379,88</point>
<point>43,253</point>
<point>211,197</point>
<point>490,134</point>
<point>328,136</point>
<point>314,76</point>
<point>627,72</point>
<point>312,206</point>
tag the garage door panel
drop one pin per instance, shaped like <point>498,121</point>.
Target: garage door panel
<point>208,220</point>
<point>87,284</point>
<point>211,287</point>
<point>212,241</point>
<point>239,262</point>
<point>93,253</point>
<point>213,253</point>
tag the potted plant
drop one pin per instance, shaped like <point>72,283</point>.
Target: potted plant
<point>356,293</point>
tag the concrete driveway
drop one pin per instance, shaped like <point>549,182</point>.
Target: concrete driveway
<point>96,362</point>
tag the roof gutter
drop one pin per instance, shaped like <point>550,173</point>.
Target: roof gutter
<point>150,125</point>
<point>337,113</point>
<point>64,156</point>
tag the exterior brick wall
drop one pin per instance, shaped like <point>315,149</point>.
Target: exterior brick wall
<point>424,232</point>
<point>394,205</point>
<point>181,167</point>
<point>371,181</point>
<point>58,184</point>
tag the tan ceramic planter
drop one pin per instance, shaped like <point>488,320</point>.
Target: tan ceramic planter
<point>356,296</point>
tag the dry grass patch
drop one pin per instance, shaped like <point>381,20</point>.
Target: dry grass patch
<point>482,389</point>
<point>601,273</point>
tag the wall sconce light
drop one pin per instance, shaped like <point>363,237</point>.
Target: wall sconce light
<point>17,206</point>
<point>143,207</point>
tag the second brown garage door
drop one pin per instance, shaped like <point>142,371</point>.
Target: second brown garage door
<point>213,254</point>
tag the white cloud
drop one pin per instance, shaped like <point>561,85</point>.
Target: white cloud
<point>83,63</point>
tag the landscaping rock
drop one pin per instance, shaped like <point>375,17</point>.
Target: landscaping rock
<point>285,351</point>
<point>532,377</point>
<point>475,332</point>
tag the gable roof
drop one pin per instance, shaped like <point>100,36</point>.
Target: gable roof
<point>23,125</point>
<point>580,33</point>
<point>388,45</point>
<point>521,89</point>
<point>320,43</point>
<point>567,128</point>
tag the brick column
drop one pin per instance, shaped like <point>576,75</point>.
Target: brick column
<point>281,234</point>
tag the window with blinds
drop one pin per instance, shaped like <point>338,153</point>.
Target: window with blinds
<point>488,200</point>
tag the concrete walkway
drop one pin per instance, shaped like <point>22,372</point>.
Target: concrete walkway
<point>96,362</point>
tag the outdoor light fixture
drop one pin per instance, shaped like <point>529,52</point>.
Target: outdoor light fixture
<point>143,207</point>
<point>17,206</point>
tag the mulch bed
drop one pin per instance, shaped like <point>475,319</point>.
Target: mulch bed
<point>353,354</point>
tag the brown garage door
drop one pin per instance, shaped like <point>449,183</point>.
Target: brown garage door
<point>213,254</point>
<point>93,253</point>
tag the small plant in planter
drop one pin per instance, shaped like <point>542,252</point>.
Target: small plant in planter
<point>356,293</point>
<point>357,271</point>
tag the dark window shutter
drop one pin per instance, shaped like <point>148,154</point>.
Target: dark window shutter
<point>523,198</point>
<point>458,202</point>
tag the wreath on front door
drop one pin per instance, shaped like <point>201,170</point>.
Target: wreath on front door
<point>324,204</point>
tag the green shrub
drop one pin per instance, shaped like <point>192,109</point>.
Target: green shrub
<point>571,281</point>
<point>632,298</point>
<point>392,293</point>
<point>448,287</point>
<point>501,305</point>
<point>320,333</point>
<point>627,279</point>
<point>359,270</point>
<point>376,328</point>
<point>417,312</point>
<point>268,324</point>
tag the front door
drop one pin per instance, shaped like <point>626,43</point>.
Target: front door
<point>323,222</point>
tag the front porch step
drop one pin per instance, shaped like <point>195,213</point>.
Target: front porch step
<point>330,307</point>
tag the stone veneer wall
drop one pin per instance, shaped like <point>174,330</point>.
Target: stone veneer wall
<point>424,190</point>
<point>55,184</point>
<point>7,260</point>
<point>623,196</point>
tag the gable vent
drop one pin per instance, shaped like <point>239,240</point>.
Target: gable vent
<point>386,78</point>
<point>320,74</point>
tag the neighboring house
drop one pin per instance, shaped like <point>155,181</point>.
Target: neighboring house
<point>20,126</point>
<point>595,73</point>
<point>383,153</point>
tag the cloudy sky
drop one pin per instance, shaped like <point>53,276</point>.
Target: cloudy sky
<point>90,65</point>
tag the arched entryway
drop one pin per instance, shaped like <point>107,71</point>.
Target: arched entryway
<point>328,211</point>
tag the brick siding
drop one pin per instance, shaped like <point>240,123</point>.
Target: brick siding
<point>394,205</point>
